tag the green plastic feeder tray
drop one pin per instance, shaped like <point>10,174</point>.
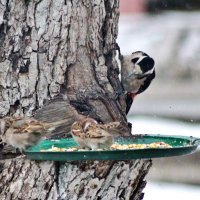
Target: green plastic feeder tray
<point>181,145</point>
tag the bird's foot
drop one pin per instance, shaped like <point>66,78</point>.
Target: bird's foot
<point>118,94</point>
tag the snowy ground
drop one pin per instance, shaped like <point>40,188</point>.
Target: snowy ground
<point>166,191</point>
<point>155,125</point>
<point>162,190</point>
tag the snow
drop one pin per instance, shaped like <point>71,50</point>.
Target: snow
<point>154,125</point>
<point>172,191</point>
<point>146,33</point>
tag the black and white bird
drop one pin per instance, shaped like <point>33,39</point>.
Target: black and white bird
<point>137,72</point>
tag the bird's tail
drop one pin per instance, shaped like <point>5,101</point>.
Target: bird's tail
<point>57,113</point>
<point>51,126</point>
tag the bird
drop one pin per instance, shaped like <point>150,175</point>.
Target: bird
<point>89,134</point>
<point>23,132</point>
<point>137,73</point>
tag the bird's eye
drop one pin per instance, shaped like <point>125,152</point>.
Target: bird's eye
<point>134,60</point>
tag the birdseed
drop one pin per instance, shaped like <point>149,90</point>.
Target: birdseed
<point>115,146</point>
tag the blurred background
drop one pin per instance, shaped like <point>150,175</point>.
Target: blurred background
<point>169,31</point>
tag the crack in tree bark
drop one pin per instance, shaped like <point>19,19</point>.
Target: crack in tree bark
<point>53,47</point>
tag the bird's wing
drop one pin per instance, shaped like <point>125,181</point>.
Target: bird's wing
<point>113,128</point>
<point>19,122</point>
<point>110,126</point>
<point>96,132</point>
<point>29,125</point>
<point>129,102</point>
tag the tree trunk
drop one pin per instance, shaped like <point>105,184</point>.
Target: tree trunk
<point>58,47</point>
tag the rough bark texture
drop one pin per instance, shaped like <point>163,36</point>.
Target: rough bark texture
<point>24,179</point>
<point>49,47</point>
<point>58,47</point>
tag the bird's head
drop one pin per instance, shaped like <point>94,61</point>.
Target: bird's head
<point>88,122</point>
<point>76,128</point>
<point>137,72</point>
<point>142,65</point>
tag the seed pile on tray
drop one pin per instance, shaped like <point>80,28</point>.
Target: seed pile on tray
<point>115,146</point>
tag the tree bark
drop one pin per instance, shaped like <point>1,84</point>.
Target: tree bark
<point>51,48</point>
<point>24,179</point>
